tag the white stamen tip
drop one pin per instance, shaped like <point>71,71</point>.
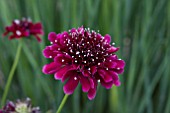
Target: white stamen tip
<point>50,56</point>
<point>62,60</point>
<point>17,21</point>
<point>98,80</point>
<point>118,68</point>
<point>75,61</point>
<point>84,61</point>
<point>96,57</point>
<point>75,78</point>
<point>58,48</point>
<point>18,32</point>
<point>51,42</point>
<point>71,50</point>
<point>77,52</point>
<point>113,43</point>
<point>55,40</point>
<point>98,63</point>
<point>107,68</point>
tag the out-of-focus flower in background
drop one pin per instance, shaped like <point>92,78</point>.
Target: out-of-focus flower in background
<point>24,28</point>
<point>85,56</point>
<point>20,107</point>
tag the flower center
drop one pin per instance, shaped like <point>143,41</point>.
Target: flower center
<point>87,47</point>
<point>22,108</point>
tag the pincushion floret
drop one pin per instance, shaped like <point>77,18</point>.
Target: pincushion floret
<point>24,28</point>
<point>20,107</point>
<point>83,56</point>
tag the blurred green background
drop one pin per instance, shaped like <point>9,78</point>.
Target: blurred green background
<point>141,28</point>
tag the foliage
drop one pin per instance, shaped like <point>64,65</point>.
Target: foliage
<point>139,27</point>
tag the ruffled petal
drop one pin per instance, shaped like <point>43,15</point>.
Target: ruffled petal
<point>112,49</point>
<point>112,58</point>
<point>68,74</point>
<point>91,94</point>
<point>52,37</point>
<point>111,64</point>
<point>120,64</point>
<point>118,71</point>
<point>73,30</point>
<point>107,85</point>
<point>51,68</point>
<point>105,75</point>
<point>63,37</point>
<point>117,83</point>
<point>36,29</point>
<point>71,84</point>
<point>86,73</point>
<point>50,52</point>
<point>85,84</point>
<point>93,70</point>
<point>38,38</point>
<point>63,59</point>
<point>107,38</point>
<point>59,74</point>
<point>92,84</point>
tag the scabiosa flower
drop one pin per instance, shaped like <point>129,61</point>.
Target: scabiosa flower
<point>24,28</point>
<point>84,56</point>
<point>20,107</point>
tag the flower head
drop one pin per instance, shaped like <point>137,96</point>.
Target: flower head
<point>24,28</point>
<point>20,107</point>
<point>84,56</point>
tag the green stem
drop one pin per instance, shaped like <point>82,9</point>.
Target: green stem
<point>62,103</point>
<point>11,74</point>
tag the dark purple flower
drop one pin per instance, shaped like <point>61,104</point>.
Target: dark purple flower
<point>20,107</point>
<point>24,28</point>
<point>84,56</point>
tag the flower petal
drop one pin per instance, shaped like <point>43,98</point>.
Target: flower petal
<point>38,38</point>
<point>93,70</point>
<point>120,63</point>
<point>68,74</point>
<point>63,37</point>
<point>85,84</point>
<point>51,68</point>
<point>51,51</point>
<point>105,75</point>
<point>52,36</point>
<point>111,64</point>
<point>91,94</point>
<point>118,71</point>
<point>107,85</point>
<point>59,74</point>
<point>112,49</point>
<point>107,38</point>
<point>117,83</point>
<point>71,84</point>
<point>86,73</point>
<point>62,59</point>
